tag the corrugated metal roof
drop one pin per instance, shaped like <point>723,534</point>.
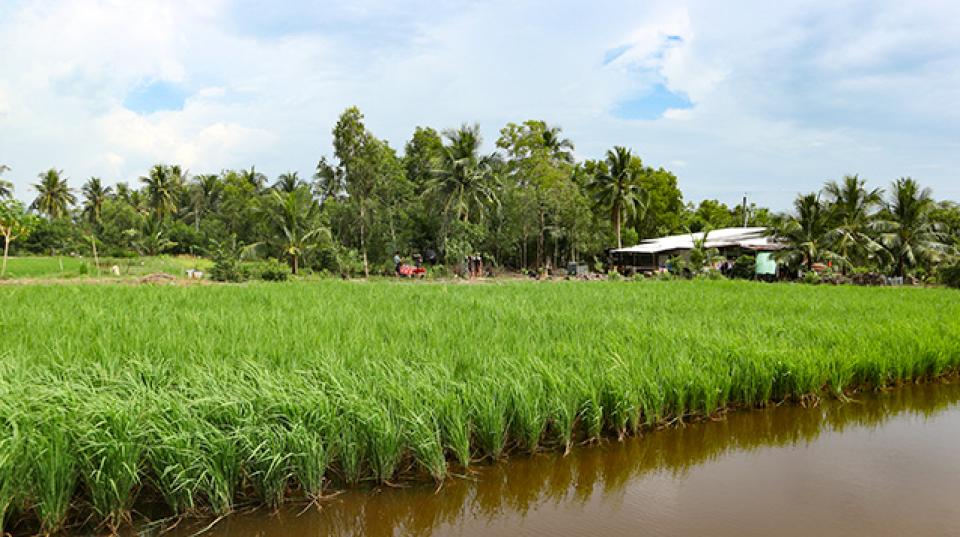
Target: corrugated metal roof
<point>745,237</point>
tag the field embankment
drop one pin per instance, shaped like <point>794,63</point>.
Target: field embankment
<point>204,396</point>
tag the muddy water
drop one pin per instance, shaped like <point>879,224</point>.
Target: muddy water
<point>886,465</point>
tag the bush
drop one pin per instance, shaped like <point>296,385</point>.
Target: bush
<point>744,267</point>
<point>614,276</point>
<point>226,264</point>
<point>811,277</point>
<point>438,271</point>
<point>271,270</point>
<point>950,276</point>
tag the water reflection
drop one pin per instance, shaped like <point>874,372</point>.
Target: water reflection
<point>591,479</point>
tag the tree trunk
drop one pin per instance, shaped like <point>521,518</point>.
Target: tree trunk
<point>616,226</point>
<point>6,250</point>
<point>294,264</point>
<point>540,243</point>
<point>363,243</point>
<point>96,259</point>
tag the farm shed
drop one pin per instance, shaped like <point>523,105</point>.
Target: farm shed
<point>732,242</point>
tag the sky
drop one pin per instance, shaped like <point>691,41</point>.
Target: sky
<point>761,98</point>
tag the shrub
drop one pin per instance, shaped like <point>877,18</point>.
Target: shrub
<point>272,270</point>
<point>950,276</point>
<point>614,276</point>
<point>227,267</point>
<point>744,267</point>
<point>811,277</point>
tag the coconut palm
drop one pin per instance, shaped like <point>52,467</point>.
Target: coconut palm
<point>560,148</point>
<point>907,230</point>
<point>616,188</point>
<point>255,178</point>
<point>205,194</point>
<point>293,217</point>
<point>6,187</point>
<point>94,194</point>
<point>806,234</point>
<point>163,185</point>
<point>852,208</point>
<point>464,181</point>
<point>287,182</point>
<point>54,195</point>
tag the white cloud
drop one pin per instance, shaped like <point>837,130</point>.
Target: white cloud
<point>783,99</point>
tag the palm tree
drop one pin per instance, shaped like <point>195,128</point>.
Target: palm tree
<point>54,195</point>
<point>162,188</point>
<point>806,234</point>
<point>702,256</point>
<point>560,148</point>
<point>6,187</point>
<point>852,209</point>
<point>94,194</point>
<point>293,216</point>
<point>464,180</point>
<point>287,182</point>
<point>255,178</point>
<point>205,194</point>
<point>907,229</point>
<point>616,188</point>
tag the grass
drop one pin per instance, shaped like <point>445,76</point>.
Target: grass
<point>201,397</point>
<point>53,267</point>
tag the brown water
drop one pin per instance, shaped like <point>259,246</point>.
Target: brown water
<point>886,465</point>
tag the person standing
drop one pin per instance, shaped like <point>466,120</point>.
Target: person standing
<point>397,262</point>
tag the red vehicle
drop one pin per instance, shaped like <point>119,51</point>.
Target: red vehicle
<point>410,271</point>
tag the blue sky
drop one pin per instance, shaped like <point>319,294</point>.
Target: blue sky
<point>754,97</point>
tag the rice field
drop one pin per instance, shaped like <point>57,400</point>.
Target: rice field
<point>68,266</point>
<point>203,398</point>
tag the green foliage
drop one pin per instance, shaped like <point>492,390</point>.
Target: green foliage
<point>92,416</point>
<point>950,276</point>
<point>744,267</point>
<point>271,270</point>
<point>227,261</point>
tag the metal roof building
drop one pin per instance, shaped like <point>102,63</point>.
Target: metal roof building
<point>652,254</point>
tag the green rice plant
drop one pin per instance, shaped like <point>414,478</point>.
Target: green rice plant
<point>54,472</point>
<point>111,449</point>
<point>309,458</point>
<point>212,395</point>
<point>268,462</point>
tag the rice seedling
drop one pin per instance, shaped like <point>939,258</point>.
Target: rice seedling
<point>208,396</point>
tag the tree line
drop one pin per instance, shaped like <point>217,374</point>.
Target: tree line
<point>526,205</point>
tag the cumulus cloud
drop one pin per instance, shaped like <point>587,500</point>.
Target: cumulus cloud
<point>779,101</point>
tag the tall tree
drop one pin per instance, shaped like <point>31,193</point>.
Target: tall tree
<point>205,194</point>
<point>421,156</point>
<point>906,227</point>
<point>54,195</point>
<point>163,185</point>
<point>94,195</point>
<point>464,182</point>
<point>616,188</point>
<point>539,159</point>
<point>852,208</point>
<point>360,157</point>
<point>6,187</point>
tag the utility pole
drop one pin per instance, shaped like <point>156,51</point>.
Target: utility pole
<point>744,210</point>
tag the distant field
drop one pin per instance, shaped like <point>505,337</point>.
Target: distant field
<point>43,267</point>
<point>202,396</point>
